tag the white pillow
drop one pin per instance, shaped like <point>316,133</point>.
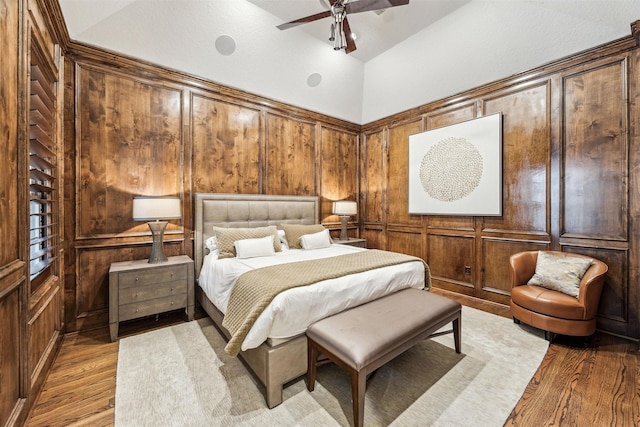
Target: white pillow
<point>283,240</point>
<point>251,248</point>
<point>317,240</point>
<point>212,244</point>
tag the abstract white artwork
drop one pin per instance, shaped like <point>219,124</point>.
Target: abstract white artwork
<point>457,169</point>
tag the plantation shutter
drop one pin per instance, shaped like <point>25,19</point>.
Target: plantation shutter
<point>42,170</point>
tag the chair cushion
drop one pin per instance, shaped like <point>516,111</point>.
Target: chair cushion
<point>548,302</point>
<point>560,273</point>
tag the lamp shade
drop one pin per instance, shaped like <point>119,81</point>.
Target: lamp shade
<point>156,208</point>
<point>345,207</point>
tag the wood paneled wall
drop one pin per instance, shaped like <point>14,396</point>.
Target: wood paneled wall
<point>137,129</point>
<point>569,170</point>
<point>30,315</point>
<point>570,180</point>
<point>12,263</point>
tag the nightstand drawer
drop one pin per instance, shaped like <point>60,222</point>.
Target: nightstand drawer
<point>145,293</point>
<point>149,276</point>
<point>158,305</point>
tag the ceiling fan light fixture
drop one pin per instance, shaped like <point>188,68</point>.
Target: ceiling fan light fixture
<point>339,42</point>
<point>338,10</point>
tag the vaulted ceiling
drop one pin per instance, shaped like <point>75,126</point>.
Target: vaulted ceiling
<point>375,32</point>
<point>407,56</point>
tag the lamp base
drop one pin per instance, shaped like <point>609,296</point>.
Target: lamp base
<point>157,231</point>
<point>343,230</point>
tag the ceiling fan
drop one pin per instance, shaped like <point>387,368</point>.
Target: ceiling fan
<point>340,30</point>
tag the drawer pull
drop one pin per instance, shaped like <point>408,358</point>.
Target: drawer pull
<point>137,279</point>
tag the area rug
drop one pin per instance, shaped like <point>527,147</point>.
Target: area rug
<point>180,376</point>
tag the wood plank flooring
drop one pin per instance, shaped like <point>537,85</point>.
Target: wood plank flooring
<point>577,384</point>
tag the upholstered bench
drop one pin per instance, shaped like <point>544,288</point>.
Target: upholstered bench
<point>364,338</point>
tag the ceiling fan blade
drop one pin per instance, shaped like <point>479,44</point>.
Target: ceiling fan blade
<point>304,20</point>
<point>351,44</point>
<point>367,5</point>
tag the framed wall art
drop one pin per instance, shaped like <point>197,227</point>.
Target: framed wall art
<point>457,169</point>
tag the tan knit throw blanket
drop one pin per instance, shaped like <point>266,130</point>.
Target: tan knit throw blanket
<point>255,289</point>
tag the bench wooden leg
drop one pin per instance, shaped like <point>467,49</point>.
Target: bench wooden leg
<point>456,334</point>
<point>312,358</point>
<point>358,387</point>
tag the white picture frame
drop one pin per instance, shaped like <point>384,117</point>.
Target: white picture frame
<point>457,169</point>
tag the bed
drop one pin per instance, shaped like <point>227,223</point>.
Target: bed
<point>274,362</point>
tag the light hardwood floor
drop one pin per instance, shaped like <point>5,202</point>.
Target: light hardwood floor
<point>576,385</point>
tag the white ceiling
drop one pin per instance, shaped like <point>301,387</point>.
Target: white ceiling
<point>406,57</point>
<point>376,31</point>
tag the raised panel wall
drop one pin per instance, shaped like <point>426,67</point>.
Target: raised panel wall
<point>291,156</point>
<point>129,144</point>
<point>595,151</point>
<point>12,265</point>
<point>373,189</point>
<point>398,174</point>
<point>570,180</point>
<point>227,148</point>
<point>448,255</point>
<point>29,73</point>
<point>338,179</point>
<point>138,129</point>
<point>274,148</point>
<point>526,154</point>
<point>10,363</point>
<point>594,213</point>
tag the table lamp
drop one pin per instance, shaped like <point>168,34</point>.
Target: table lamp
<point>156,210</point>
<point>344,209</point>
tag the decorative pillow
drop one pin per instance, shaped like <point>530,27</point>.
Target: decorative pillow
<point>283,240</point>
<point>251,248</point>
<point>227,236</point>
<point>212,244</point>
<point>295,231</point>
<point>316,240</point>
<point>560,273</point>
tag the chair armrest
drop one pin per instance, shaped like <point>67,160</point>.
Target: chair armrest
<point>523,266</point>
<point>591,287</point>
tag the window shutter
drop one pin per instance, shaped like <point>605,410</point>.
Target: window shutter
<point>42,171</point>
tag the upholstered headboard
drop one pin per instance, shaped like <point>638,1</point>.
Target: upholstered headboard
<point>247,210</point>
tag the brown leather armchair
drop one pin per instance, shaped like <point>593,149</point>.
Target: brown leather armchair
<point>552,311</point>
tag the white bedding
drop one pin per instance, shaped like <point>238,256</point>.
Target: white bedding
<point>292,311</point>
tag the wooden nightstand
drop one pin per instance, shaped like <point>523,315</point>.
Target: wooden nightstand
<point>361,243</point>
<point>138,289</point>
